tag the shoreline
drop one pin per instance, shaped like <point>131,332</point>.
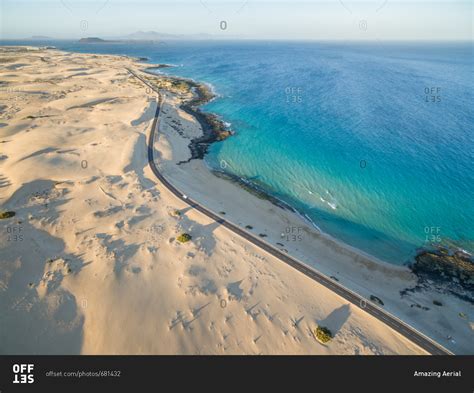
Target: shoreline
<point>210,134</point>
<point>361,272</point>
<point>213,128</point>
<point>122,223</point>
<point>95,231</point>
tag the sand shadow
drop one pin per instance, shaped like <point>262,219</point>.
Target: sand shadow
<point>38,153</point>
<point>336,319</point>
<point>202,235</point>
<point>206,239</point>
<point>147,115</point>
<point>122,251</point>
<point>93,103</point>
<point>4,181</point>
<point>39,316</point>
<point>139,162</point>
<point>235,291</point>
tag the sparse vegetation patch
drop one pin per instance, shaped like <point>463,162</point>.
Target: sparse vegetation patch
<point>7,214</point>
<point>323,334</point>
<point>184,237</point>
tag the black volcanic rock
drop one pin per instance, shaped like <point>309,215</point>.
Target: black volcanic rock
<point>442,264</point>
<point>446,271</point>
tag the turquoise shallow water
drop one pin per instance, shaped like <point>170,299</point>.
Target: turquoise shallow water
<point>373,142</point>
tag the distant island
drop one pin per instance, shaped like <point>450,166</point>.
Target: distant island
<point>151,37</point>
<point>97,40</point>
<point>145,36</point>
<point>94,40</point>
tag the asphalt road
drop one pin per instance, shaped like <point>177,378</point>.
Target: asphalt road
<point>401,327</point>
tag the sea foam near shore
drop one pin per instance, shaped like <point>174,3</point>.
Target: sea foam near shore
<point>306,115</point>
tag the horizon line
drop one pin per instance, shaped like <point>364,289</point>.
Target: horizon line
<point>215,38</point>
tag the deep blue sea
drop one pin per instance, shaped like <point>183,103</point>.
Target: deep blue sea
<point>373,142</point>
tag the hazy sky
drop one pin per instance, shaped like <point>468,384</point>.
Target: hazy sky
<point>316,19</point>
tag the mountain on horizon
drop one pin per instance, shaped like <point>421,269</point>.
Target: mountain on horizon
<point>40,37</point>
<point>157,36</point>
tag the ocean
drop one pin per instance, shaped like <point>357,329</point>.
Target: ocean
<point>372,142</point>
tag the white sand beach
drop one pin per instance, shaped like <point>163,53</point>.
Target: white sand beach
<point>90,263</point>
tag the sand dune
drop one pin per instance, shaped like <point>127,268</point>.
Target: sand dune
<point>91,263</point>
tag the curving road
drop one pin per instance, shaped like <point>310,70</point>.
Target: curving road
<point>398,325</point>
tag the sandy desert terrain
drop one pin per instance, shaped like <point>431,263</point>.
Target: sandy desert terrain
<point>90,263</point>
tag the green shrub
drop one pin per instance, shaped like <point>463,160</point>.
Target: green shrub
<point>323,334</point>
<point>6,214</point>
<point>184,237</point>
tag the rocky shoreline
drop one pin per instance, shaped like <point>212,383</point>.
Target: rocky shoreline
<point>441,269</point>
<point>444,270</point>
<point>251,208</point>
<point>213,128</point>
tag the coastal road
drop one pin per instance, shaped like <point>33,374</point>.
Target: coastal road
<point>398,325</point>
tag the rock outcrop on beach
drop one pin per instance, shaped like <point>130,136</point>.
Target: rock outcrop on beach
<point>87,264</point>
<point>447,271</point>
<point>213,128</point>
<point>193,96</point>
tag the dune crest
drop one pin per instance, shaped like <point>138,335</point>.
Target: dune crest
<point>99,269</point>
